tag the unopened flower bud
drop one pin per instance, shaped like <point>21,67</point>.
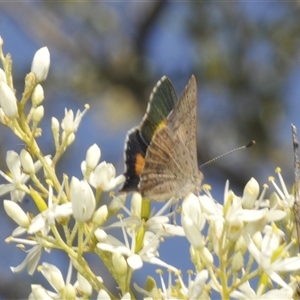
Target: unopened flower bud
<point>116,203</point>
<point>103,295</point>
<point>100,235</point>
<point>235,228</point>
<point>55,130</point>
<point>8,101</point>
<point>53,275</point>
<point>54,124</point>
<point>250,194</point>
<point>192,232</point>
<point>37,95</point>
<point>92,156</point>
<point>40,64</point>
<point>38,114</point>
<point>27,162</point>
<point>240,245</point>
<point>136,204</point>
<point>197,287</point>
<point>38,292</point>
<point>207,254</point>
<point>237,262</point>
<point>84,285</point>
<point>274,200</point>
<point>126,296</point>
<point>83,200</point>
<point>15,212</point>
<point>70,292</point>
<point>100,215</point>
<point>119,263</point>
<point>257,239</point>
<point>71,138</point>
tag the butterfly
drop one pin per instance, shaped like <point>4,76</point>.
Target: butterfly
<point>161,153</point>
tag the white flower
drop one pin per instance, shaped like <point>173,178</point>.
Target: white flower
<point>286,198</point>
<point>55,278</point>
<point>103,295</point>
<point>194,290</point>
<point>69,124</point>
<point>156,223</point>
<point>32,259</point>
<point>103,177</point>
<point>53,275</point>
<point>38,292</point>
<point>115,246</point>
<point>238,219</point>
<point>17,179</point>
<point>8,101</point>
<point>245,292</point>
<point>264,257</point>
<point>148,253</point>
<point>192,220</point>
<point>46,218</point>
<point>83,200</point>
<point>40,64</point>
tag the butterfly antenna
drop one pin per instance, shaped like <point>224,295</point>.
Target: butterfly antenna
<point>229,152</point>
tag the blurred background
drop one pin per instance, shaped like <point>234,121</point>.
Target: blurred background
<point>245,56</point>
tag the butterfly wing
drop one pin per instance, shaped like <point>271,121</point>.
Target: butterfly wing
<point>162,101</point>
<point>183,121</point>
<point>164,172</point>
<point>171,167</point>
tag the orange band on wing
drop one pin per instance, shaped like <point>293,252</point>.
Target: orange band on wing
<point>139,163</point>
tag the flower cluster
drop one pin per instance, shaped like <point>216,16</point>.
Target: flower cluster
<point>242,247</point>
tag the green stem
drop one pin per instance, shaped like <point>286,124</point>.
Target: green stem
<point>80,238</point>
<point>146,209</point>
<point>80,264</point>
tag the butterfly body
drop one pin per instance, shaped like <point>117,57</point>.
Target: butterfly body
<point>160,153</point>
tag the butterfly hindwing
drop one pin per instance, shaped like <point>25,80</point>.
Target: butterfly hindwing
<point>171,167</point>
<point>162,101</point>
<point>163,172</point>
<point>134,156</point>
